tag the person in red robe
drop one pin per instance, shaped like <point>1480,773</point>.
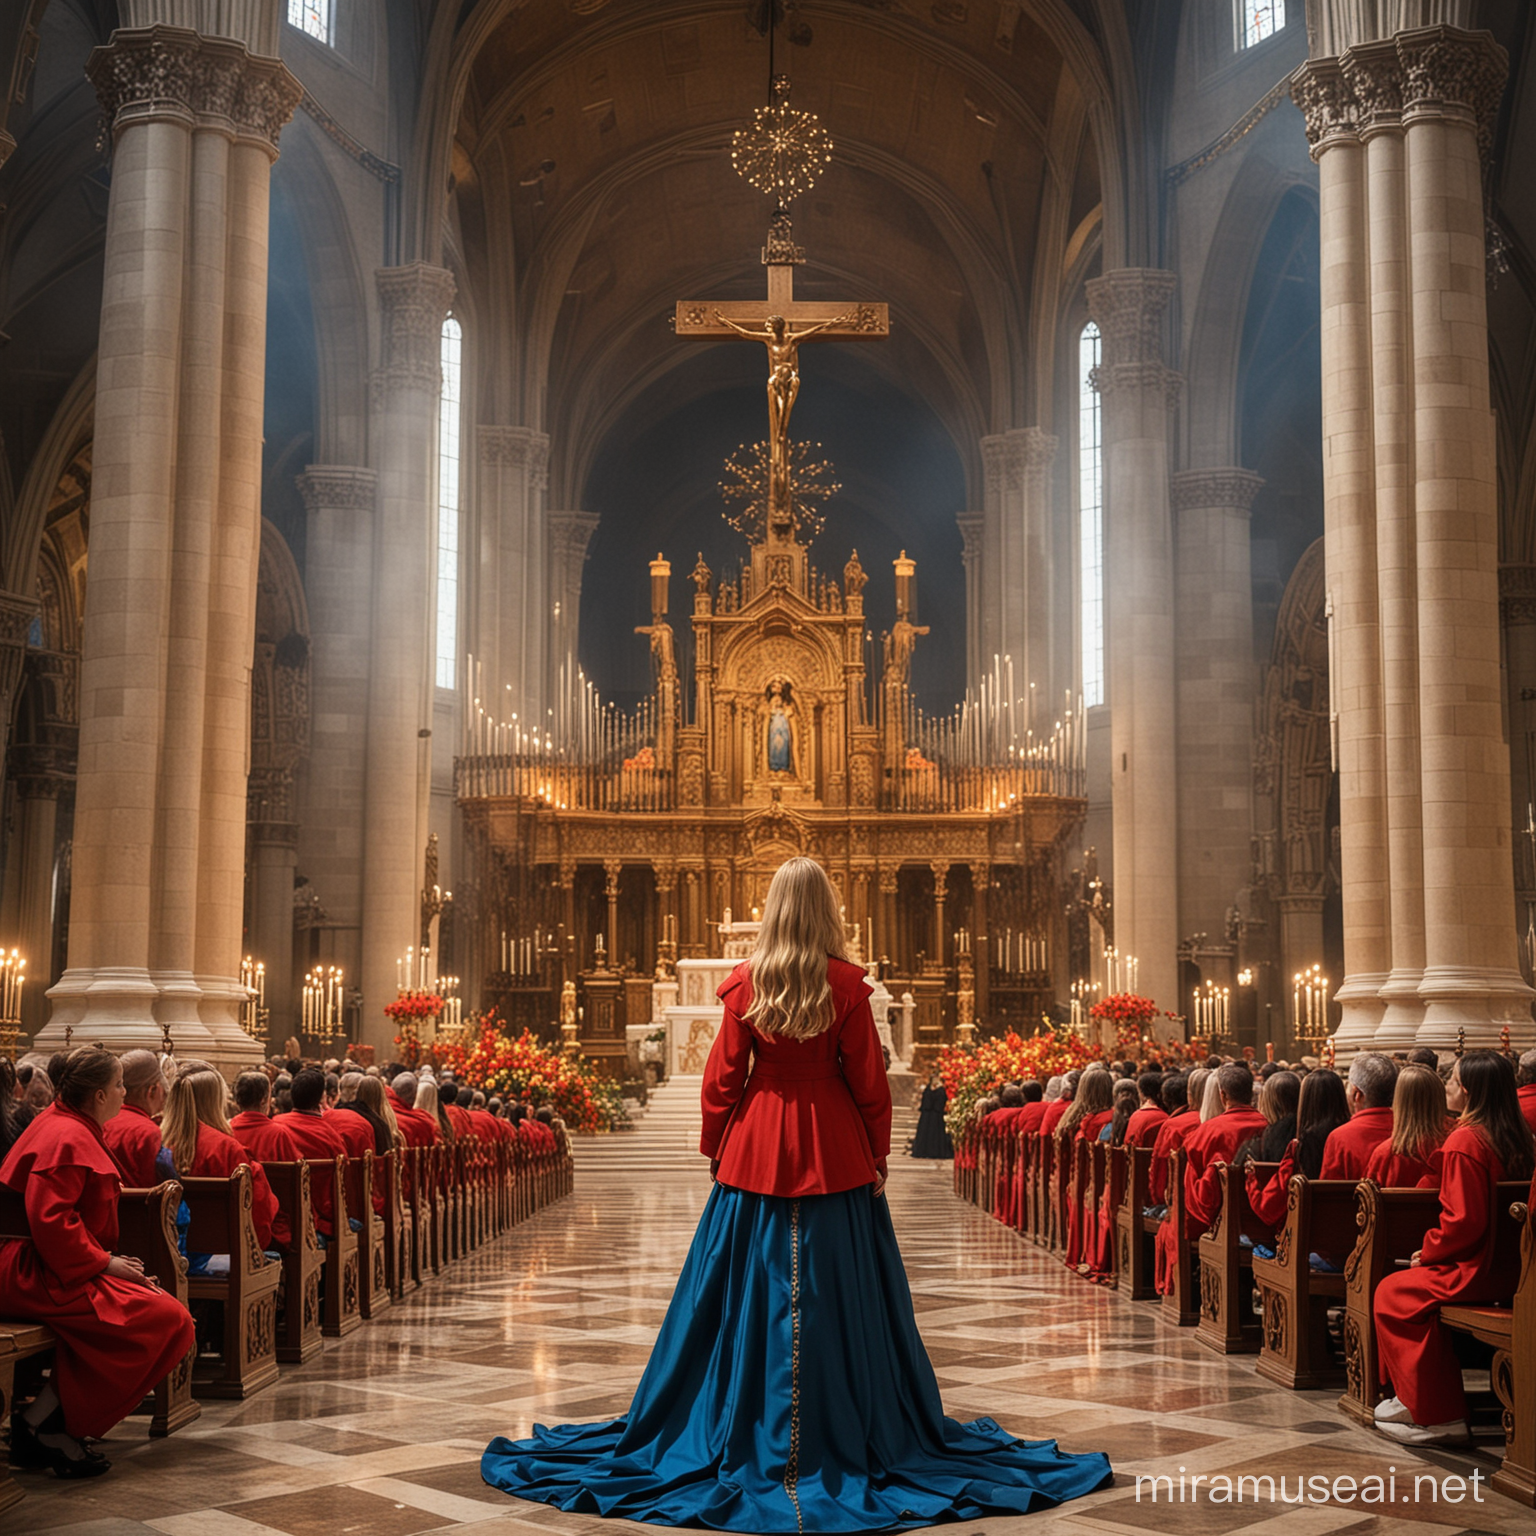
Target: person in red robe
<point>1321,1109</point>
<point>1410,1158</point>
<point>1372,1081</point>
<point>1027,1132</point>
<point>1457,1261</point>
<point>1000,1131</point>
<point>1091,1110</point>
<point>1213,1144</point>
<point>1171,1138</point>
<point>267,1140</point>
<point>197,1135</point>
<point>133,1134</point>
<point>318,1141</point>
<point>118,1332</point>
<point>1150,1116</point>
<point>1181,1098</point>
<point>1527,1079</point>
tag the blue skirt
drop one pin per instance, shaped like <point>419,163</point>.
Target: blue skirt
<point>789,1391</point>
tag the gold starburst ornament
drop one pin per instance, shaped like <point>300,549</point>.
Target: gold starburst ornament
<point>782,152</point>
<point>748,478</point>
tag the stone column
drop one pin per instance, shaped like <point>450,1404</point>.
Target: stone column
<point>42,777</point>
<point>569,535</point>
<point>1138,391</point>
<point>973,543</point>
<point>1016,540</point>
<point>1397,127</point>
<point>16,616</point>
<point>1349,479</point>
<point>159,827</point>
<point>338,566</point>
<point>274,841</point>
<point>516,610</point>
<point>1217,675</point>
<point>413,302</point>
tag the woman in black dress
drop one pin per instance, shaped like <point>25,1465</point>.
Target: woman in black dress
<point>931,1139</point>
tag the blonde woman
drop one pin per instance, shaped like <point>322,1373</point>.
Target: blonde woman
<point>789,1389</point>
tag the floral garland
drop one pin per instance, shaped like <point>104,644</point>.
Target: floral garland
<point>970,1073</point>
<point>1132,1017</point>
<point>524,1068</point>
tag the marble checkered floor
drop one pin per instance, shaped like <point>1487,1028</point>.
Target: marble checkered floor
<point>381,1434</point>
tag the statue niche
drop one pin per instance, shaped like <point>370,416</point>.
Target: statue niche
<point>781,736</point>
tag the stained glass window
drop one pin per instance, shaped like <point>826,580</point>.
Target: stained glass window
<point>1258,19</point>
<point>312,17</point>
<point>1090,504</point>
<point>448,504</point>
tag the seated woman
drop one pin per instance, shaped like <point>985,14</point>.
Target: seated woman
<point>1321,1108</point>
<point>1099,1243</point>
<point>118,1332</point>
<point>1457,1263</point>
<point>1411,1159</point>
<point>1091,1111</point>
<point>195,1130</point>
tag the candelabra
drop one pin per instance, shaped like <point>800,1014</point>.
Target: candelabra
<point>13,978</point>
<point>254,1013</point>
<point>1213,1010</point>
<point>1310,1004</point>
<point>324,991</point>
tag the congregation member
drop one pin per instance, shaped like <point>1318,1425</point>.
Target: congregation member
<point>931,1139</point>
<point>1142,1128</point>
<point>371,1103</point>
<point>1457,1261</point>
<point>1213,1144</point>
<point>1122,1107</point>
<point>197,1134</point>
<point>489,1127</point>
<point>266,1140</point>
<point>998,1128</point>
<point>1181,1097</point>
<point>418,1129</point>
<point>317,1141</point>
<point>457,1110</point>
<point>428,1102</point>
<point>11,1122</point>
<point>1410,1157</point>
<point>1372,1079</point>
<point>1278,1097</point>
<point>1054,1111</point>
<point>1089,1112</point>
<point>1320,1110</point>
<point>117,1332</point>
<point>1527,1080</point>
<point>133,1134</point>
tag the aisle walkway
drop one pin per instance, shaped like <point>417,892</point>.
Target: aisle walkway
<point>381,1435</point>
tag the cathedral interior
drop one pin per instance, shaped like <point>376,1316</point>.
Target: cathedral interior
<point>395,557</point>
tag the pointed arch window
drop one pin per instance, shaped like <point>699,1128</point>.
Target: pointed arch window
<point>448,504</point>
<point>1258,19</point>
<point>1090,508</point>
<point>313,18</point>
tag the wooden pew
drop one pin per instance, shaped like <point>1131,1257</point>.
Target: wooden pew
<point>146,1222</point>
<point>1181,1303</point>
<point>1135,1234</point>
<point>19,1341</point>
<point>222,1223</point>
<point>1295,1349</point>
<point>1511,1331</point>
<point>299,1325</point>
<point>373,1264</point>
<point>341,1287</point>
<point>397,1224</point>
<point>419,1213</point>
<point>436,1201</point>
<point>1063,1164</point>
<point>1392,1224</point>
<point>1228,1323</point>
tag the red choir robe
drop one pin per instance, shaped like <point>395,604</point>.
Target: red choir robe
<point>1142,1128</point>
<point>1081,1213</point>
<point>1203,1142</point>
<point>1170,1135</point>
<point>1029,1125</point>
<point>1390,1171</point>
<point>459,1119</point>
<point>814,1116</point>
<point>318,1140</point>
<point>1456,1264</point>
<point>1270,1202</point>
<point>1002,1127</point>
<point>267,1141</point>
<point>487,1126</point>
<point>116,1339</point>
<point>132,1136</point>
<point>1101,1228</point>
<point>217,1156</point>
<point>1528,1104</point>
<point>1349,1146</point>
<point>357,1135</point>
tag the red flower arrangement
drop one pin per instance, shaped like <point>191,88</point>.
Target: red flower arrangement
<point>527,1069</point>
<point>415,1006</point>
<point>1131,1015</point>
<point>972,1073</point>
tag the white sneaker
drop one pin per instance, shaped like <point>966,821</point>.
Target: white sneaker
<point>1390,1411</point>
<point>1452,1433</point>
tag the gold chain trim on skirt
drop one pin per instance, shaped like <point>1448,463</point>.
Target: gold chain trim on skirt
<point>792,1465</point>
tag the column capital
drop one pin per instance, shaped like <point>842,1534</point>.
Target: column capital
<point>1128,306</point>
<point>1013,455</point>
<point>1230,490</point>
<point>42,771</point>
<point>571,532</point>
<point>1517,595</point>
<point>172,74</point>
<point>972,527</point>
<point>413,303</point>
<point>337,487</point>
<point>516,448</point>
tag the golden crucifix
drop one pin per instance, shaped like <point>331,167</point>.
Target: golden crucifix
<point>781,322</point>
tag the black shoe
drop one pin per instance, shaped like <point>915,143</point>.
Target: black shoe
<point>28,1449</point>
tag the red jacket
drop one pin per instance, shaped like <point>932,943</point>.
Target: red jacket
<point>814,1116</point>
<point>217,1156</point>
<point>1170,1137</point>
<point>267,1141</point>
<point>1030,1117</point>
<point>317,1139</point>
<point>1390,1171</point>
<point>463,1126</point>
<point>1052,1117</point>
<point>1349,1147</point>
<point>1527,1104</point>
<point>133,1138</point>
<point>1213,1141</point>
<point>1142,1128</point>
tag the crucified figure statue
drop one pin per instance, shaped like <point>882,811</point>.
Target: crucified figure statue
<point>783,343</point>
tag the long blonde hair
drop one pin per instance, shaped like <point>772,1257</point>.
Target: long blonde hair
<point>196,1098</point>
<point>791,994</point>
<point>371,1095</point>
<point>1418,1113</point>
<point>1095,1093</point>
